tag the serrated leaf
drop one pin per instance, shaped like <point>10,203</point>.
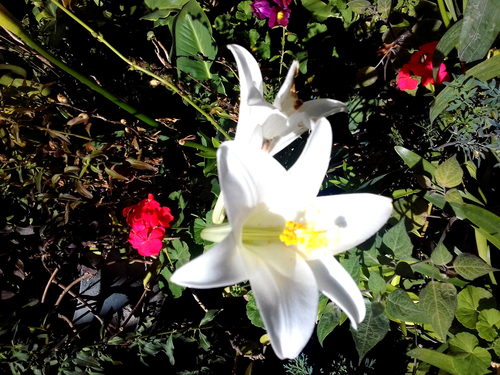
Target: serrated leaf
<point>376,283</point>
<point>480,28</point>
<point>398,241</point>
<point>195,48</point>
<point>253,312</point>
<point>471,267</point>
<point>179,252</point>
<point>496,347</point>
<point>488,324</point>
<point>437,359</point>
<point>469,301</point>
<point>328,322</point>
<point>400,306</point>
<point>449,173</point>
<point>371,330</point>
<point>439,302</point>
<point>468,358</point>
<point>441,256</point>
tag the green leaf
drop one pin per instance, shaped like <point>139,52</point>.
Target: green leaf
<point>400,306</point>
<point>479,30</point>
<point>115,175</point>
<point>439,302</point>
<point>244,12</point>
<point>180,253</point>
<point>469,359</point>
<point>165,4</point>
<point>416,162</point>
<point>469,301</point>
<point>439,360</point>
<point>471,267</point>
<point>169,350</point>
<point>383,7</point>
<point>484,71</point>
<point>371,330</point>
<point>496,347</point>
<point>359,6</point>
<point>137,164</point>
<point>195,49</point>
<point>253,312</point>
<point>376,283</point>
<point>319,9</point>
<point>174,288</point>
<point>446,44</point>
<point>441,256</point>
<point>204,343</point>
<point>488,324</point>
<point>351,265</point>
<point>209,316</point>
<point>328,322</point>
<point>398,241</point>
<point>449,174</point>
<point>413,208</point>
<point>453,196</point>
<point>487,222</point>
<point>366,76</point>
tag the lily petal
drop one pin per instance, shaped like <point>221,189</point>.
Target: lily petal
<point>357,216</point>
<point>220,266</point>
<point>248,70</point>
<point>284,289</point>
<point>287,99</point>
<point>245,184</point>
<point>336,283</point>
<point>322,107</point>
<point>314,160</point>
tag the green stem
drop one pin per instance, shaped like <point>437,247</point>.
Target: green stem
<point>172,87</point>
<point>282,50</point>
<point>8,21</point>
<point>444,14</point>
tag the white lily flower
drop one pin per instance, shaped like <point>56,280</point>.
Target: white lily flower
<point>271,127</point>
<point>274,126</point>
<point>282,238</point>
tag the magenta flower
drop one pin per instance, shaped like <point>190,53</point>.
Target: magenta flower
<point>278,15</point>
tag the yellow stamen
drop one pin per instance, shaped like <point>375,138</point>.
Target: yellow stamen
<point>306,235</point>
<point>280,15</point>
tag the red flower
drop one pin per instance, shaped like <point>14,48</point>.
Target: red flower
<point>147,242</point>
<point>405,82</point>
<point>148,221</point>
<point>421,65</point>
<point>148,213</point>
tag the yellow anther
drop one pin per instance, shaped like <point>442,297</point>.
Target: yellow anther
<point>280,15</point>
<point>306,235</point>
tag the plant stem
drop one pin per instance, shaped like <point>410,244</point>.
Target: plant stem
<point>9,22</point>
<point>444,14</point>
<point>282,50</point>
<point>172,87</point>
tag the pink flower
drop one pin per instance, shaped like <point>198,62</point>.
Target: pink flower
<point>277,15</point>
<point>147,242</point>
<point>421,65</point>
<point>148,221</point>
